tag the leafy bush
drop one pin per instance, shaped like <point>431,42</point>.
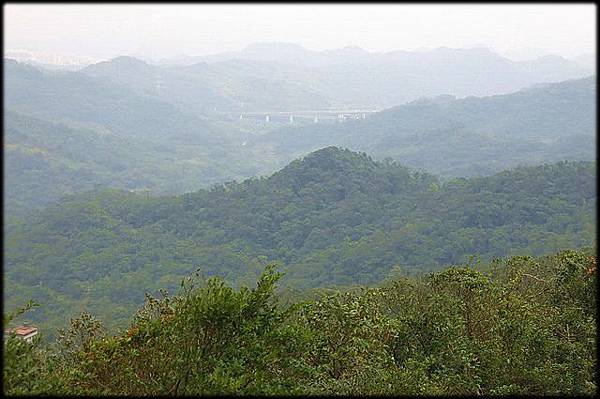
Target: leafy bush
<point>515,326</point>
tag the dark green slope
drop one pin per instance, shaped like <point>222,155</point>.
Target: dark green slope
<point>46,160</point>
<point>334,217</point>
<point>467,137</point>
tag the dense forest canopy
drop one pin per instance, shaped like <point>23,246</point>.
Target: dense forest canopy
<point>334,217</point>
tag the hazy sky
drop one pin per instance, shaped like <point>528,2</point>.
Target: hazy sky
<point>157,31</point>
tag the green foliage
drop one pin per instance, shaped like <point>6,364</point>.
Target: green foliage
<point>27,368</point>
<point>333,218</point>
<point>523,327</point>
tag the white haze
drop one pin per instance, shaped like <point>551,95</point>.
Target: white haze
<point>159,31</point>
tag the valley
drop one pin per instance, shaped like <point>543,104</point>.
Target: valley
<point>299,199</point>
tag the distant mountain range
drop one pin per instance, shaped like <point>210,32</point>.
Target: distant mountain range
<point>278,76</point>
<point>110,125</point>
<point>587,60</point>
<point>355,77</point>
<point>68,62</point>
<point>461,137</point>
<point>282,53</point>
<point>290,53</point>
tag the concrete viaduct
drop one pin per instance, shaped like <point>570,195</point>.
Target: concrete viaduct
<point>315,116</point>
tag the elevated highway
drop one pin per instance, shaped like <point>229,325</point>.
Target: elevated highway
<point>314,115</point>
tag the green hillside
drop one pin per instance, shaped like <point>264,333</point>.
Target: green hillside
<point>46,160</point>
<point>334,217</point>
<point>462,137</point>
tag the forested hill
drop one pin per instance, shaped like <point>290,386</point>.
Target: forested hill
<point>66,132</point>
<point>46,160</point>
<point>462,137</point>
<point>333,217</point>
<point>109,126</point>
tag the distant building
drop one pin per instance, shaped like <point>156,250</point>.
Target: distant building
<point>24,332</point>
